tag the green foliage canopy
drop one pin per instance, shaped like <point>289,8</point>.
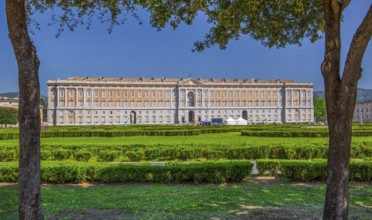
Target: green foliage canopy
<point>319,108</point>
<point>272,22</point>
<point>8,116</point>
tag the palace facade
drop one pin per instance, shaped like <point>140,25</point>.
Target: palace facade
<point>90,101</point>
<point>363,112</point>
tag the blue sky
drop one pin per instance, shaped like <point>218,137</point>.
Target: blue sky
<point>134,50</point>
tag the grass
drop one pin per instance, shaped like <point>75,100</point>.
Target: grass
<point>233,138</point>
<point>230,138</point>
<point>251,199</point>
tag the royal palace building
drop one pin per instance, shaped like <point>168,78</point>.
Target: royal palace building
<point>90,101</point>
<point>363,112</point>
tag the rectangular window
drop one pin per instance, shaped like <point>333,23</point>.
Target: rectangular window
<point>132,94</point>
<point>111,93</point>
<point>95,93</point>
<point>117,103</point>
<point>125,94</point>
<point>110,104</point>
<point>103,103</point>
<point>139,94</point>
<point>81,92</point>
<point>103,93</point>
<point>231,94</point>
<point>118,94</point>
<point>80,104</point>
<point>146,93</point>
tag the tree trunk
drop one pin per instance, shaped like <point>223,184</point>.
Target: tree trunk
<point>340,97</point>
<point>30,206</point>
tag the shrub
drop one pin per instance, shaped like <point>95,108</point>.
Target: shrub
<point>107,155</point>
<point>310,170</point>
<point>75,172</point>
<point>82,155</point>
<point>8,155</point>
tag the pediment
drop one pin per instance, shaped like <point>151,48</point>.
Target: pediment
<point>190,82</point>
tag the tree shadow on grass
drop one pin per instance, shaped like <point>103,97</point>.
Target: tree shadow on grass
<point>268,213</point>
<point>91,214</point>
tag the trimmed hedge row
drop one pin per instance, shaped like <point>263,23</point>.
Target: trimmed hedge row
<point>305,171</point>
<point>77,172</point>
<point>53,134</point>
<point>304,133</point>
<point>179,152</point>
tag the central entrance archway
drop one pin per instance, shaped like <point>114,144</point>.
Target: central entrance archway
<point>132,117</point>
<point>245,115</point>
<point>191,116</point>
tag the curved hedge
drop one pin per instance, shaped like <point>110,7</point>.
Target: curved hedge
<point>78,172</point>
<point>310,170</point>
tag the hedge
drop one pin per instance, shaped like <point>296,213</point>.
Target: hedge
<point>77,172</point>
<point>301,133</point>
<point>310,170</point>
<point>53,134</point>
<point>139,152</point>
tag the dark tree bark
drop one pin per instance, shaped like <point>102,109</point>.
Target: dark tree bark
<point>340,94</point>
<point>30,206</point>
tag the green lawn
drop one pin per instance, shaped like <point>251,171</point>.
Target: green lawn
<point>251,199</point>
<point>231,138</point>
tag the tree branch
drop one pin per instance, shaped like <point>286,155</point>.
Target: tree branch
<point>345,4</point>
<point>352,71</point>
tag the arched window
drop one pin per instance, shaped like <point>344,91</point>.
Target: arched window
<point>191,99</point>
